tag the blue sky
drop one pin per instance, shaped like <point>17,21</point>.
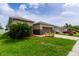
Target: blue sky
<point>43,9</point>
<point>53,13</point>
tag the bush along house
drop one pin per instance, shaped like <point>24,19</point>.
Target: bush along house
<point>39,28</point>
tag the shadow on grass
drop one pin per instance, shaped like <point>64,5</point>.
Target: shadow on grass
<point>3,36</point>
<point>13,41</point>
<point>7,40</point>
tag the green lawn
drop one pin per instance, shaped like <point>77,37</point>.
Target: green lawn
<point>77,34</point>
<point>35,46</point>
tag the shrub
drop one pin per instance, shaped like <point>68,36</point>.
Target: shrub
<point>4,36</point>
<point>19,30</point>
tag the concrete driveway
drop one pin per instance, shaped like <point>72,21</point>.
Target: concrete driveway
<point>67,37</point>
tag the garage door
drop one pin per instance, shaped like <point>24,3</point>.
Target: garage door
<point>47,30</point>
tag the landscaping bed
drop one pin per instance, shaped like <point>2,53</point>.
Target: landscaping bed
<point>35,46</point>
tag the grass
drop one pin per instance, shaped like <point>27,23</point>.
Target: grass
<point>77,34</point>
<point>35,46</point>
<point>2,31</point>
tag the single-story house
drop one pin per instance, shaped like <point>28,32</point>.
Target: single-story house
<point>42,28</point>
<point>15,20</point>
<point>38,28</point>
<point>58,30</point>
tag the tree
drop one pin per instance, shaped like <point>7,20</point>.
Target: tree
<point>1,26</point>
<point>75,28</point>
<point>72,28</point>
<point>68,26</point>
<point>19,30</point>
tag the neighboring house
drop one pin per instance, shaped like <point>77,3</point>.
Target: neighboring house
<point>38,28</point>
<point>58,30</point>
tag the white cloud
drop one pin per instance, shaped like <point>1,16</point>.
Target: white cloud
<point>21,11</point>
<point>22,7</point>
<point>33,17</point>
<point>5,9</point>
<point>71,4</point>
<point>55,20</point>
<point>71,9</point>
<point>34,5</point>
<point>70,14</point>
<point>3,20</point>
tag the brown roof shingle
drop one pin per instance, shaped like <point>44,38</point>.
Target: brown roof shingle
<point>43,23</point>
<point>21,19</point>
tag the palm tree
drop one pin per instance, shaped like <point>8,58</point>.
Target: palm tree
<point>68,26</point>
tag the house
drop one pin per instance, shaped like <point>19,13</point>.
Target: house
<point>38,28</point>
<point>42,28</point>
<point>58,30</point>
<point>15,20</point>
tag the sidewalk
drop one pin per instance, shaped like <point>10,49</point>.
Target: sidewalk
<point>75,50</point>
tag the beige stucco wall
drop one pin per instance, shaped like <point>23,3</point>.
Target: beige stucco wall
<point>46,26</point>
<point>37,26</point>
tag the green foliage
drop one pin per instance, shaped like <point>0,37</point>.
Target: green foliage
<point>4,36</point>
<point>69,26</point>
<point>75,27</point>
<point>1,27</point>
<point>19,30</point>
